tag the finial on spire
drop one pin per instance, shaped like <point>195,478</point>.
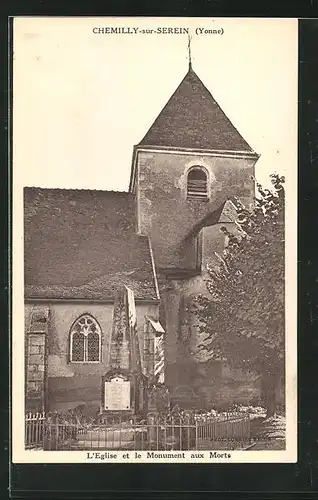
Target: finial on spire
<point>189,51</point>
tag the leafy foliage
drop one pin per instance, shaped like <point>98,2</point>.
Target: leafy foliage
<point>242,317</point>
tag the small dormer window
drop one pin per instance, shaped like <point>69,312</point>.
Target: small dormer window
<point>197,184</point>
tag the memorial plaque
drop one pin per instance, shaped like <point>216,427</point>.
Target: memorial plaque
<point>117,394</point>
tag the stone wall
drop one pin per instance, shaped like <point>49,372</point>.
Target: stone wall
<point>213,383</point>
<point>35,371</point>
<point>165,213</point>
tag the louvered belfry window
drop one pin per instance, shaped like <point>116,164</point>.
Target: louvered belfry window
<point>197,184</point>
<point>85,340</point>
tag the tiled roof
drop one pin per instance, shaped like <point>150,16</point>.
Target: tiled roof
<point>229,212</point>
<point>83,244</point>
<point>193,119</point>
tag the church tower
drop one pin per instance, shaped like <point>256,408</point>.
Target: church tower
<point>189,163</point>
<point>185,170</point>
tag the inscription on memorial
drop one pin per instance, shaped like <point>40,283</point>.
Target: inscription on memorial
<point>117,394</point>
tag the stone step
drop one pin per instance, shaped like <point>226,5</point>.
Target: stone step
<point>108,445</point>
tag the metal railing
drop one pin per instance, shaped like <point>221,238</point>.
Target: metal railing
<point>155,432</point>
<point>34,430</point>
<point>228,430</point>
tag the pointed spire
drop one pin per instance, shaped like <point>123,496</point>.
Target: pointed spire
<point>189,51</point>
<point>193,119</point>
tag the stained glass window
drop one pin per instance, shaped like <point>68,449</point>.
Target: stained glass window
<point>93,347</point>
<point>85,340</point>
<point>77,346</point>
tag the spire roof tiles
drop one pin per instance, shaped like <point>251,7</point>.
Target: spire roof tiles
<point>193,119</point>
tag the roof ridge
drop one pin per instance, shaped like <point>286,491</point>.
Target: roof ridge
<point>76,190</point>
<point>167,102</point>
<point>220,108</point>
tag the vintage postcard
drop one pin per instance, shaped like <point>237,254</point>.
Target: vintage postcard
<point>154,240</point>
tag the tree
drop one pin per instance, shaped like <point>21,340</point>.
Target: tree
<point>242,318</point>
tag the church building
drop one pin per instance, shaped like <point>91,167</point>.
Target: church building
<point>157,239</point>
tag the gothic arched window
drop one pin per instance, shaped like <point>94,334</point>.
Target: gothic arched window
<point>85,340</point>
<point>197,183</point>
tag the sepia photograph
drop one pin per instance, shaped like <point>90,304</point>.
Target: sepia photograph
<point>154,240</point>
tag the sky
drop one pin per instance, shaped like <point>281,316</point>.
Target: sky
<point>82,100</point>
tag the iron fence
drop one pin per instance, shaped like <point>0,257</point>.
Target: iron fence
<point>225,431</point>
<point>34,430</point>
<point>155,432</point>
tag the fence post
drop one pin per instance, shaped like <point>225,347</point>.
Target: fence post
<point>151,430</point>
<point>249,427</point>
<point>57,432</point>
<point>196,434</point>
